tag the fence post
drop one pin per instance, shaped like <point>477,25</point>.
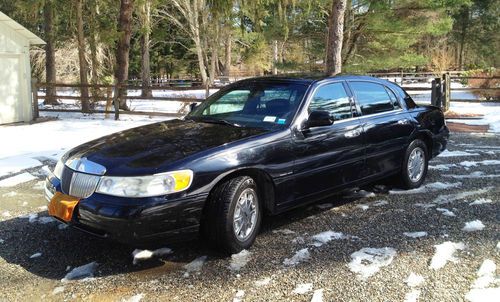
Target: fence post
<point>34,91</point>
<point>116,101</point>
<point>433,93</point>
<point>447,92</point>
<point>109,100</point>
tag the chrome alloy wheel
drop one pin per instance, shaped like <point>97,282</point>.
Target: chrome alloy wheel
<point>416,164</point>
<point>245,214</point>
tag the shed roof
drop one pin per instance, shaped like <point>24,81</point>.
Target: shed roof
<point>32,38</point>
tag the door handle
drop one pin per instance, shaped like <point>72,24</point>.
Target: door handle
<point>353,133</point>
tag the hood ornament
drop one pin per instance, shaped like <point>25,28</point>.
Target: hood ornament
<point>86,166</point>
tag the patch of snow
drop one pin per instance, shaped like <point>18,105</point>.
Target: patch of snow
<point>300,256</point>
<point>442,199</point>
<point>135,298</point>
<point>429,187</point>
<point>140,255</point>
<point>16,164</point>
<point>317,295</point>
<point>16,180</point>
<point>498,246</point>
<point>58,290</point>
<point>447,153</point>
<point>35,255</point>
<point>442,167</point>
<point>368,261</point>
<point>444,253</point>
<point>6,214</point>
<point>472,226</point>
<point>263,282</point>
<point>10,194</point>
<point>2,241</point>
<point>46,219</point>
<point>477,174</point>
<point>488,162</point>
<point>425,205</point>
<point>356,193</point>
<point>81,272</point>
<point>490,112</point>
<point>325,237</point>
<point>483,294</point>
<point>298,240</point>
<point>414,280</point>
<point>412,296</point>
<point>303,288</point>
<point>42,208</point>
<point>363,207</point>
<point>238,297</point>
<point>481,201</point>
<point>195,266</point>
<point>238,261</point>
<point>284,231</point>
<point>378,203</point>
<point>446,212</point>
<point>415,234</point>
<point>485,274</point>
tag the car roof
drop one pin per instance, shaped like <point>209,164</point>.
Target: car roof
<point>306,78</point>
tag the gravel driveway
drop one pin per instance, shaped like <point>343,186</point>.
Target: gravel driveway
<point>378,244</point>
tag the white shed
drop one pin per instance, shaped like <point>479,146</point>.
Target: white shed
<point>15,71</point>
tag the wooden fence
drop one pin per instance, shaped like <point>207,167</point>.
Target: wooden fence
<point>440,89</point>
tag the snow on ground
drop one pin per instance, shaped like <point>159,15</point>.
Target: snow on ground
<point>481,290</point>
<point>238,261</point>
<point>477,174</point>
<point>81,272</point>
<point>283,231</point>
<point>485,274</point>
<point>303,288</point>
<point>317,295</point>
<point>441,167</point>
<point>300,256</point>
<point>58,290</point>
<point>445,252</point>
<point>135,298</point>
<point>446,212</point>
<point>490,112</point>
<point>414,280</point>
<point>447,153</point>
<point>36,255</point>
<point>442,199</point>
<point>368,261</point>
<point>428,187</point>
<point>263,282</point>
<point>480,201</point>
<point>195,266</point>
<point>52,138</point>
<point>16,180</point>
<point>325,237</point>
<point>415,234</point>
<point>412,296</point>
<point>472,226</point>
<point>238,297</point>
<point>140,255</point>
<point>489,162</point>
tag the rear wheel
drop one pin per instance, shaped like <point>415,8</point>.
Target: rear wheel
<point>415,165</point>
<point>233,215</point>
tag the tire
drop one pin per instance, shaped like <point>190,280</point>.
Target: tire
<point>219,228</point>
<point>412,176</point>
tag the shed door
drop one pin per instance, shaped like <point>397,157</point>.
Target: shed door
<point>10,89</point>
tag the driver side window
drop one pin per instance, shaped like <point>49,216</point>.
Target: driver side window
<point>334,99</point>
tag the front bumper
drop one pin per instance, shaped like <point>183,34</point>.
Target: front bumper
<point>174,217</point>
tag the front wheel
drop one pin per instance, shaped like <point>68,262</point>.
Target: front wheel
<point>233,216</point>
<point>415,165</point>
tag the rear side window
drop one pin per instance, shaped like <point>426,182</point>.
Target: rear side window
<point>410,103</point>
<point>393,98</point>
<point>372,98</point>
<point>334,99</point>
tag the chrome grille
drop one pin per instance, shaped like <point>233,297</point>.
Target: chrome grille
<point>78,184</point>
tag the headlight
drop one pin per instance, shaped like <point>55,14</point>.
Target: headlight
<point>59,169</point>
<point>146,186</point>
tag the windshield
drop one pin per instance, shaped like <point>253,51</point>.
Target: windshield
<point>254,104</point>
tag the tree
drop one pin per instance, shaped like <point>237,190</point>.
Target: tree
<point>50,53</point>
<point>84,89</point>
<point>122,53</point>
<point>335,37</point>
<point>145,7</point>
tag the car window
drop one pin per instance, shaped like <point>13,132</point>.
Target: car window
<point>410,104</point>
<point>393,98</point>
<point>334,99</point>
<point>231,102</point>
<point>372,97</point>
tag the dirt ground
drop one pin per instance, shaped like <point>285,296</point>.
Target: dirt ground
<point>375,241</point>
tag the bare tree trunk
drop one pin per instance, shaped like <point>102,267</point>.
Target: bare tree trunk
<point>84,89</point>
<point>145,12</point>
<point>335,37</point>
<point>122,51</point>
<point>463,33</point>
<point>275,56</point>
<point>50,53</point>
<point>214,56</point>
<point>227,57</point>
<point>93,38</point>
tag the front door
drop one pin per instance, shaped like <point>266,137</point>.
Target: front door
<point>328,157</point>
<point>11,105</point>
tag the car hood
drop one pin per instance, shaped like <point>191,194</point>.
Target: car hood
<point>148,149</point>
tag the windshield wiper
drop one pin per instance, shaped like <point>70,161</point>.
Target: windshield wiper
<point>217,121</point>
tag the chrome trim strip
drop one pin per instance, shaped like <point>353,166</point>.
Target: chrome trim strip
<point>86,166</point>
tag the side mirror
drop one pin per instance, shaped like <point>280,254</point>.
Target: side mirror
<point>319,118</point>
<point>192,106</point>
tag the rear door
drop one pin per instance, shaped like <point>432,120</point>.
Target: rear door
<point>386,126</point>
<point>328,157</point>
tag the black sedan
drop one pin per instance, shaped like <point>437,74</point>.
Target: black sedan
<point>258,146</point>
